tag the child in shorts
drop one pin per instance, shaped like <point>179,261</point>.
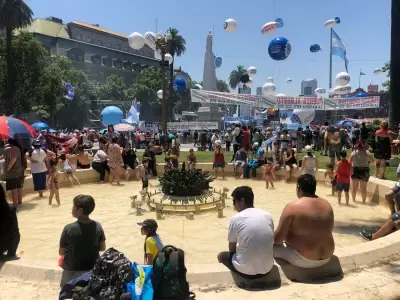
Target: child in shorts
<point>343,177</point>
<point>330,173</point>
<point>269,173</point>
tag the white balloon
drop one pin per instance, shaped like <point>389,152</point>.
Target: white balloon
<point>136,41</point>
<point>268,89</point>
<point>319,91</point>
<point>160,94</point>
<point>305,116</point>
<point>280,95</point>
<point>198,86</point>
<point>341,90</point>
<point>169,58</point>
<point>289,80</point>
<point>330,23</point>
<point>269,28</point>
<point>270,80</point>
<point>230,25</point>
<point>150,38</point>
<point>252,71</point>
<point>342,79</point>
<point>378,71</point>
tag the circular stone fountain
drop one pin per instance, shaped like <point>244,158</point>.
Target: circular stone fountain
<point>183,192</point>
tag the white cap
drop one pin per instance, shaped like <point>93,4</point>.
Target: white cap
<point>256,144</point>
<point>218,143</point>
<point>308,148</point>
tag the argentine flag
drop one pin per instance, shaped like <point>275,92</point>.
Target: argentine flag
<point>133,115</point>
<point>339,49</point>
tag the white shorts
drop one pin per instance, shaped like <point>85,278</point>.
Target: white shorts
<point>289,254</point>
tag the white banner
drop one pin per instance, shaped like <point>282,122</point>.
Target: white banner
<point>352,103</point>
<point>310,103</point>
<point>191,125</point>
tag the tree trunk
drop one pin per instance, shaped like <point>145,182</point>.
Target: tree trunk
<point>8,99</point>
<point>394,108</point>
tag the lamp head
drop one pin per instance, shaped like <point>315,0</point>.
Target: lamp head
<point>168,36</point>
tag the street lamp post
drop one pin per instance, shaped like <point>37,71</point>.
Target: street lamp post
<point>163,45</point>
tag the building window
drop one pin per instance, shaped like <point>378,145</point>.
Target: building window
<point>118,47</point>
<point>127,65</point>
<point>76,54</point>
<point>89,39</point>
<point>117,63</point>
<point>96,59</point>
<point>100,42</point>
<point>107,61</point>
<point>79,37</point>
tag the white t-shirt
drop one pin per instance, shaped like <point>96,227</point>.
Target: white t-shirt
<point>38,155</point>
<point>253,231</point>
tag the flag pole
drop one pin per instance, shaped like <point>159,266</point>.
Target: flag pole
<point>330,61</point>
<point>359,79</point>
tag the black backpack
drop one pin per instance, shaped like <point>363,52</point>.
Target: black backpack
<point>169,275</point>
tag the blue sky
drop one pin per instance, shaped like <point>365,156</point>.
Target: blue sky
<point>365,29</point>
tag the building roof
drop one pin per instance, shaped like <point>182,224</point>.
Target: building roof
<point>98,28</point>
<point>49,28</point>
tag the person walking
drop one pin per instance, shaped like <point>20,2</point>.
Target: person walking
<point>14,170</point>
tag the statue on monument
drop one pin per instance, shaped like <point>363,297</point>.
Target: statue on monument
<point>209,42</point>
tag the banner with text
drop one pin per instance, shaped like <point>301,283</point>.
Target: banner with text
<point>352,103</point>
<point>285,103</point>
<point>210,97</point>
<point>191,125</point>
<point>313,103</point>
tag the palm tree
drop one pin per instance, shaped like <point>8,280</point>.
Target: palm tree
<point>14,14</point>
<point>177,47</point>
<point>234,77</point>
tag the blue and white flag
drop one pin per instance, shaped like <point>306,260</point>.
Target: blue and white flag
<point>70,91</point>
<point>339,49</point>
<point>133,114</point>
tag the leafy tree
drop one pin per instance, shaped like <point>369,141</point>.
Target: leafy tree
<point>50,100</point>
<point>14,14</point>
<point>115,89</point>
<point>29,58</point>
<point>234,76</point>
<point>145,87</point>
<point>222,86</point>
<point>386,68</point>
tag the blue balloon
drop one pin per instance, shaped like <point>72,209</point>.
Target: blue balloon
<point>179,85</point>
<point>361,95</point>
<point>315,48</point>
<point>218,61</point>
<point>279,48</point>
<point>111,115</point>
<point>279,23</point>
<point>337,19</point>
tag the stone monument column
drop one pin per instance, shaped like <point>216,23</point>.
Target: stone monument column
<point>209,112</point>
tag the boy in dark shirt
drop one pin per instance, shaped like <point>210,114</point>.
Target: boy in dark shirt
<point>82,240</point>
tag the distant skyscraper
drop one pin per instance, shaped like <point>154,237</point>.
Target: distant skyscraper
<point>245,109</point>
<point>308,87</point>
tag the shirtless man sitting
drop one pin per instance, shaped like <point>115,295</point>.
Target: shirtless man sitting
<point>304,235</point>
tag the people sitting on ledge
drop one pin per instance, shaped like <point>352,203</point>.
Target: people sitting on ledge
<point>304,235</point>
<point>390,226</point>
<point>82,240</point>
<point>250,236</point>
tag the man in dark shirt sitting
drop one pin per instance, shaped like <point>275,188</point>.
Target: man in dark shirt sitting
<point>82,240</point>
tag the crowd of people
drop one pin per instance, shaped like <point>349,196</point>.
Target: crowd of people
<point>304,234</point>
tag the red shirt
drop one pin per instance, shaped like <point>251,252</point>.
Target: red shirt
<point>382,131</point>
<point>246,138</point>
<point>343,171</point>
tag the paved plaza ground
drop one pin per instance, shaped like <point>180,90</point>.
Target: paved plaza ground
<point>369,284</point>
<point>202,238</point>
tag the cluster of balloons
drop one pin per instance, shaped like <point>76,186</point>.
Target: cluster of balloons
<point>271,27</point>
<point>332,22</point>
<point>342,81</point>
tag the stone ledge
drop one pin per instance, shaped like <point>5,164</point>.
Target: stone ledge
<point>377,188</point>
<point>351,259</point>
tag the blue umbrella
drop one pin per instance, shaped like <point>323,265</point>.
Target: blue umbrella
<point>102,131</point>
<point>40,125</point>
<point>345,123</point>
<point>361,95</point>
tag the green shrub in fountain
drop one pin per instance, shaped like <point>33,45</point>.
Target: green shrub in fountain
<point>186,183</point>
